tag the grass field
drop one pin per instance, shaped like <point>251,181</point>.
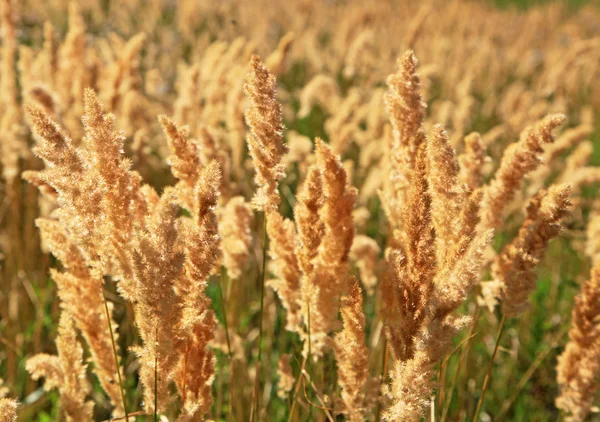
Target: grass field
<point>226,254</point>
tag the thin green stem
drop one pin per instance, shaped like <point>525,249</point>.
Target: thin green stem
<point>114,347</point>
<point>262,303</point>
<point>305,360</point>
<point>463,354</point>
<point>488,375</point>
<point>525,378</point>
<point>224,308</point>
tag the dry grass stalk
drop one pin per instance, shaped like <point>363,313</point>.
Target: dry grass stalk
<point>579,365</point>
<point>406,109</point>
<point>265,137</point>
<point>328,278</point>
<point>472,161</point>
<point>284,265</point>
<point>185,158</point>
<point>140,241</point>
<point>352,355</point>
<point>235,221</point>
<point>516,265</point>
<point>365,253</point>
<point>408,283</point>
<point>196,367</point>
<point>519,159</point>
<point>66,372</point>
<point>311,230</point>
<point>157,265</point>
<point>430,273</point>
<point>80,292</point>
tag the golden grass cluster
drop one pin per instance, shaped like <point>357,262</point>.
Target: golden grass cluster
<point>294,210</point>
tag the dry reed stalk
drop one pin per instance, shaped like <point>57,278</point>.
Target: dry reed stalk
<point>308,221</point>
<point>327,279</point>
<point>420,299</point>
<point>211,149</point>
<point>352,355</point>
<point>13,152</point>
<point>123,74</point>
<point>139,242</point>
<point>184,159</point>
<point>276,60</point>
<point>406,109</point>
<point>235,221</point>
<point>431,270</point>
<point>98,215</point>
<point>80,292</point>
<point>195,372</point>
<point>284,265</point>
<point>472,161</point>
<point>157,265</point>
<point>265,141</point>
<point>66,372</point>
<point>365,253</point>
<point>310,234</point>
<point>519,159</point>
<point>578,366</point>
<point>516,265</point>
<point>408,285</point>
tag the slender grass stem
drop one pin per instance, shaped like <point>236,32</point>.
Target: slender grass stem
<point>224,308</point>
<point>442,382</point>
<point>323,406</point>
<point>525,378</point>
<point>463,354</point>
<point>384,364</point>
<point>226,326</point>
<point>114,347</point>
<point>262,303</point>
<point>296,389</point>
<point>138,413</point>
<point>156,382</point>
<point>488,375</point>
<point>309,352</point>
<point>305,360</point>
